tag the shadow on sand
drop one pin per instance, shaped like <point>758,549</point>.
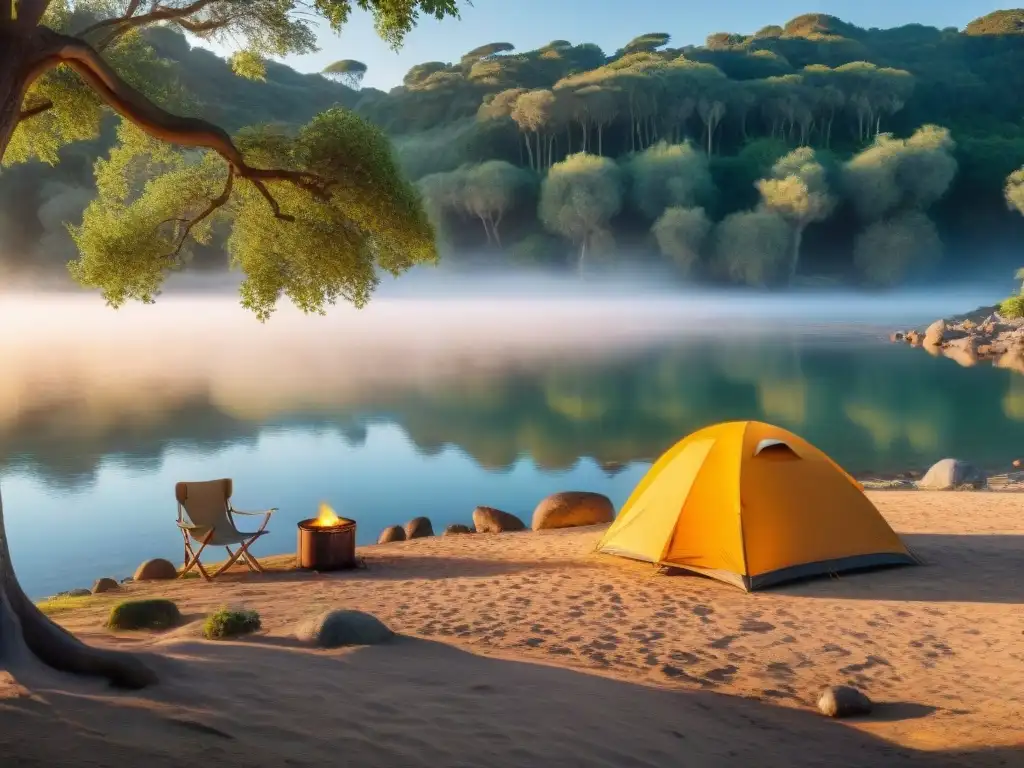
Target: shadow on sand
<point>419,703</point>
<point>986,568</point>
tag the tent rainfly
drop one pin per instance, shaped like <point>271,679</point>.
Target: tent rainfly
<point>753,505</point>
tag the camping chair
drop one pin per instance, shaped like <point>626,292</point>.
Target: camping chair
<point>205,515</point>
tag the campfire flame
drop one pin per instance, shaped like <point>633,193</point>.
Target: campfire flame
<point>327,517</point>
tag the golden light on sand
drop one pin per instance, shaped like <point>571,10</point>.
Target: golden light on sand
<point>327,517</point>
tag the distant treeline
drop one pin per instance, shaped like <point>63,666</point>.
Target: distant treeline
<point>813,149</point>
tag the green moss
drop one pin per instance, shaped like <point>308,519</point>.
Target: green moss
<point>144,614</point>
<point>228,623</point>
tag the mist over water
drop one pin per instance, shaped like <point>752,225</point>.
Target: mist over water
<point>445,392</point>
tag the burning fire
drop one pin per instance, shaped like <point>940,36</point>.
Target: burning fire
<point>327,517</point>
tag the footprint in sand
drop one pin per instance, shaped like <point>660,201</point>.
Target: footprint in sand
<point>723,642</point>
<point>702,612</point>
<point>721,674</point>
<point>760,627</point>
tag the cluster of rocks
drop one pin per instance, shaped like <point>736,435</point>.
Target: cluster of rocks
<point>568,509</point>
<point>980,335</point>
<point>157,569</point>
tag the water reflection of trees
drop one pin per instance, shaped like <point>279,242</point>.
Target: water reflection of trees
<point>872,408</point>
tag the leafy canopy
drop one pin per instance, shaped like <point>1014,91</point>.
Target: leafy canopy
<point>309,214</point>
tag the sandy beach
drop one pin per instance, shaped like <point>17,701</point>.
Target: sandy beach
<point>525,649</point>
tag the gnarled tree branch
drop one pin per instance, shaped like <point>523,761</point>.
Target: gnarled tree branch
<point>129,21</point>
<point>36,109</point>
<point>163,125</point>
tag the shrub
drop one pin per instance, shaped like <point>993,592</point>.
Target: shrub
<point>1013,307</point>
<point>144,614</point>
<point>228,623</point>
<point>61,603</point>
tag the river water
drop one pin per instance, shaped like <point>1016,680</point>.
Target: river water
<point>416,407</point>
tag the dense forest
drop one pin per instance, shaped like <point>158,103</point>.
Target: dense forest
<point>811,151</point>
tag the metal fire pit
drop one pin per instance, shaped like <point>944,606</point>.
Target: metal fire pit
<point>327,547</point>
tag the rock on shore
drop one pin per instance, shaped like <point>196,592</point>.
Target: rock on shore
<point>983,334</point>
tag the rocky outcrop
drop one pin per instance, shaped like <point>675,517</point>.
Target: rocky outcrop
<point>391,533</point>
<point>571,509</point>
<point>419,528</point>
<point>491,520</point>
<point>950,474</point>
<point>979,335</point>
<point>156,569</point>
<point>456,528</point>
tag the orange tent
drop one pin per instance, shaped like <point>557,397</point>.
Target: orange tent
<point>753,505</point>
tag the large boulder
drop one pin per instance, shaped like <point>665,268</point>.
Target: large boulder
<point>949,474</point>
<point>105,585</point>
<point>935,333</point>
<point>334,629</point>
<point>491,520</point>
<point>419,528</point>
<point>843,701</point>
<point>572,508</point>
<point>156,569</point>
<point>391,533</point>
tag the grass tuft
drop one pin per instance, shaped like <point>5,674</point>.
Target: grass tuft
<point>144,614</point>
<point>228,623</point>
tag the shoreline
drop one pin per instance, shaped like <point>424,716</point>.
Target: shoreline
<point>981,335</point>
<point>933,645</point>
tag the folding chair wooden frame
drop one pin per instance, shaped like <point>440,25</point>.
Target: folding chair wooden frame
<point>206,516</point>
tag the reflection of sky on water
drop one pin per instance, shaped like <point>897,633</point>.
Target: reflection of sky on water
<point>413,408</point>
<point>62,539</point>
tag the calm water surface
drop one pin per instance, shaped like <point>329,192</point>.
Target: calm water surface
<point>432,408</point>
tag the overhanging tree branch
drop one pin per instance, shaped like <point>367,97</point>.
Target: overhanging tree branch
<point>114,91</point>
<point>35,109</point>
<point>129,21</point>
<point>214,204</point>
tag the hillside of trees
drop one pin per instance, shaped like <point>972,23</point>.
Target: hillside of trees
<point>810,151</point>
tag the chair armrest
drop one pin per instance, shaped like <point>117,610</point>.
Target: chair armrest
<point>186,526</point>
<point>270,511</point>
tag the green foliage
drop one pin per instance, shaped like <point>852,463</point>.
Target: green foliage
<point>144,614</point>
<point>250,65</point>
<point>753,247</point>
<point>347,71</point>
<point>579,197</point>
<point>63,603</point>
<point>666,175</point>
<point>798,188</point>
<point>1013,191</point>
<point>331,250</point>
<point>681,233</point>
<point>1009,22</point>
<point>227,623</point>
<point>888,249</point>
<point>538,249</point>
<point>1012,307</point>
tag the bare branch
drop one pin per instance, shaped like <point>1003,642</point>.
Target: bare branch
<point>36,109</point>
<point>129,21</point>
<point>163,125</point>
<point>216,203</point>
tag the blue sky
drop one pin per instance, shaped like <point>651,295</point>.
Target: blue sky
<point>528,24</point>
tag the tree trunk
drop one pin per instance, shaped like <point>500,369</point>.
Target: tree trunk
<point>529,151</point>
<point>600,150</point>
<point>583,256</point>
<point>24,630</point>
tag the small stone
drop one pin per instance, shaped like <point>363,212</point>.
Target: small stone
<point>491,520</point>
<point>105,585</point>
<point>334,629</point>
<point>914,338</point>
<point>457,528</point>
<point>1016,463</point>
<point>127,580</point>
<point>419,528</point>
<point>391,533</point>
<point>156,569</point>
<point>896,336</point>
<point>843,701</point>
